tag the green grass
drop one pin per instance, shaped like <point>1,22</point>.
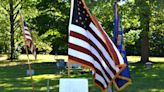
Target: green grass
<point>13,76</point>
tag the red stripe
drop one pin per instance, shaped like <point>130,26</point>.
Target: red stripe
<point>99,39</point>
<point>86,51</point>
<point>27,34</point>
<point>110,46</point>
<point>81,61</point>
<point>80,36</point>
<point>100,84</point>
<point>27,39</point>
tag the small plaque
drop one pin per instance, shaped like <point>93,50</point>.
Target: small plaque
<point>73,85</point>
<point>28,72</point>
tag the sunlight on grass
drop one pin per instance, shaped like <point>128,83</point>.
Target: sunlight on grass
<point>52,58</point>
<point>144,79</point>
<point>19,88</point>
<point>3,57</point>
<point>40,77</point>
<point>44,58</point>
<point>6,85</point>
<point>157,90</point>
<point>134,59</point>
<point>157,59</point>
<point>42,88</point>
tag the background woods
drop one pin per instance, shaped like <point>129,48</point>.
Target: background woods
<point>142,22</point>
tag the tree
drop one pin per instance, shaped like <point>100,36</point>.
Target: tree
<point>52,23</point>
<point>147,9</point>
<point>11,8</point>
<point>4,31</point>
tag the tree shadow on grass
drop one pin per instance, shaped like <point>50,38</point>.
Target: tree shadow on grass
<point>14,78</point>
<point>146,79</point>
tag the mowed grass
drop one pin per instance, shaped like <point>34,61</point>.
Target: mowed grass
<point>13,76</point>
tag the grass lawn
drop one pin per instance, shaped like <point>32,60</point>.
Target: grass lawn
<point>13,76</point>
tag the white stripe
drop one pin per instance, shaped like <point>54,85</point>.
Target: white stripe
<point>100,79</point>
<point>25,27</point>
<point>104,52</point>
<point>27,32</point>
<point>28,37</point>
<point>117,52</point>
<point>79,42</point>
<point>103,62</point>
<point>85,45</point>
<point>97,65</point>
<point>80,55</point>
<point>121,60</point>
<point>78,29</point>
<point>93,27</point>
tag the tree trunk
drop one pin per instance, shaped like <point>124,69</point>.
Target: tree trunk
<point>145,44</point>
<point>12,29</point>
<point>145,19</point>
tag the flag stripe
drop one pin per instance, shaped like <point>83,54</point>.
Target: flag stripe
<point>84,38</point>
<point>104,46</point>
<point>98,65</point>
<point>110,46</point>
<point>100,81</point>
<point>86,45</point>
<point>80,36</point>
<point>95,54</point>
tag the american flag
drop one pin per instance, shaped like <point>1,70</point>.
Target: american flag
<point>27,36</point>
<point>90,46</point>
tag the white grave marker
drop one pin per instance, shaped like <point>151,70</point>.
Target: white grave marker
<point>73,85</point>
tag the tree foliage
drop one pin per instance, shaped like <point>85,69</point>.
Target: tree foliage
<point>142,22</point>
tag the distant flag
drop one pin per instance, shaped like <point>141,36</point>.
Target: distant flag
<point>124,80</point>
<point>27,36</point>
<point>90,46</point>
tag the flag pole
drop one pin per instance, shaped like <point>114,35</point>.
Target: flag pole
<point>30,69</point>
<point>68,68</point>
<point>68,63</point>
<point>29,65</point>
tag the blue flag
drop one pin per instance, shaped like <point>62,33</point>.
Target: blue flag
<point>124,78</point>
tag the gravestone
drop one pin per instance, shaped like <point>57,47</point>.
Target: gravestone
<point>60,63</point>
<point>73,85</point>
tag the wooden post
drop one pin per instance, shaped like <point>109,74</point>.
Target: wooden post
<point>30,69</point>
<point>68,68</point>
<point>48,88</point>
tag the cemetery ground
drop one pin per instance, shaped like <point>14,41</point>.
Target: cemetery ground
<point>13,76</point>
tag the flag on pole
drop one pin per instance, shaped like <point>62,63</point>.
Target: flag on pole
<point>124,78</point>
<point>27,36</point>
<point>90,46</point>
